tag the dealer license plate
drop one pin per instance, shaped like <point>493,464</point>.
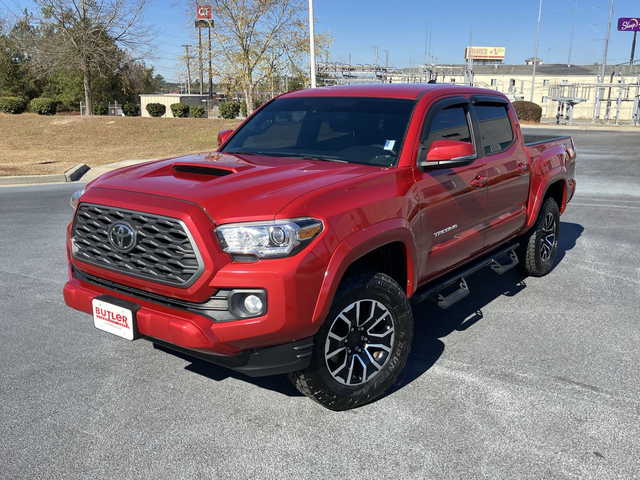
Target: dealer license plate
<point>113,319</point>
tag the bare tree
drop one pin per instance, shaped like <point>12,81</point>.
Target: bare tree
<point>89,35</point>
<point>254,39</point>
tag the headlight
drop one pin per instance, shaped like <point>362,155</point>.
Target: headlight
<point>274,239</point>
<point>75,197</point>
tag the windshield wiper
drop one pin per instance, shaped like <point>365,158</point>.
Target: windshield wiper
<point>240,152</point>
<point>324,158</point>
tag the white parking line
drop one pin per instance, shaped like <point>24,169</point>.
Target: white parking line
<point>621,207</point>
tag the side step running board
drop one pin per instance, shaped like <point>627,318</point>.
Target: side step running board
<point>457,278</point>
<point>501,268</point>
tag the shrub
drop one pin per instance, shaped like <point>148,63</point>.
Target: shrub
<point>12,104</point>
<point>243,106</point>
<point>99,109</point>
<point>131,109</point>
<point>156,109</point>
<point>44,106</point>
<point>197,111</point>
<point>528,111</point>
<point>180,110</point>
<point>229,110</point>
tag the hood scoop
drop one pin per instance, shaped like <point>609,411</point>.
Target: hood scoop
<point>186,169</point>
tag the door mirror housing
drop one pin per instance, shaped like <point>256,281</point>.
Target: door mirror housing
<point>447,153</point>
<point>223,135</point>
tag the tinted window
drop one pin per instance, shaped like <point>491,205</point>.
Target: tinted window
<point>355,130</point>
<point>495,128</point>
<point>450,124</point>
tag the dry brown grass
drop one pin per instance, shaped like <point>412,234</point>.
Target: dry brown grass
<point>31,144</point>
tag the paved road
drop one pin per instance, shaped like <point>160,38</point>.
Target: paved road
<point>525,378</point>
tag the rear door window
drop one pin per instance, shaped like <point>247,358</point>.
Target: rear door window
<point>495,128</point>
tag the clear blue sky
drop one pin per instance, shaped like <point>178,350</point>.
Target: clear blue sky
<point>400,26</point>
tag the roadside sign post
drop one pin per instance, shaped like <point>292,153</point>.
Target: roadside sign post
<point>203,20</point>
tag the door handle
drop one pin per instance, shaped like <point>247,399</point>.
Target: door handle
<point>479,182</point>
<point>521,168</point>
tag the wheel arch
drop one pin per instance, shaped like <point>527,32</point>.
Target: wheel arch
<point>556,188</point>
<point>558,191</point>
<point>388,247</point>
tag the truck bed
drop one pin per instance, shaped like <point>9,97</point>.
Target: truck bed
<point>533,140</point>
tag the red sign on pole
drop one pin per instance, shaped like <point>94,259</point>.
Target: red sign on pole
<point>204,12</point>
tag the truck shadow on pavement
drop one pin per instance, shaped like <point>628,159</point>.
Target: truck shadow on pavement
<point>431,325</point>
<point>277,383</point>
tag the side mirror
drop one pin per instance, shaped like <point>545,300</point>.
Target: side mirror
<point>223,135</point>
<point>447,153</point>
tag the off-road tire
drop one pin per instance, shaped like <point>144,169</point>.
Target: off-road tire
<point>376,292</point>
<point>538,247</point>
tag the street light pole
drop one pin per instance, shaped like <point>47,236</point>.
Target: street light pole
<point>600,91</point>
<point>606,43</point>
<point>312,46</point>
<point>573,27</point>
<point>535,55</point>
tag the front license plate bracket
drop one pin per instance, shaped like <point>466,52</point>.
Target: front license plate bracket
<point>116,316</point>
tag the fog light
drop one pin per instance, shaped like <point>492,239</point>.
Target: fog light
<point>253,304</point>
<point>247,303</point>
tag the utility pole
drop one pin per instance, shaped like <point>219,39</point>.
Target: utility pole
<point>606,42</point>
<point>210,68</point>
<point>535,55</point>
<point>604,67</point>
<point>426,41</point>
<point>200,58</point>
<point>376,62</point>
<point>386,59</point>
<point>573,27</point>
<point>469,76</point>
<point>312,45</point>
<point>186,47</point>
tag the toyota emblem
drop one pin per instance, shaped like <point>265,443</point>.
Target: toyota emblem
<point>122,236</point>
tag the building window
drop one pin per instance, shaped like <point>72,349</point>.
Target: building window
<point>453,80</point>
<point>545,83</point>
<point>545,99</point>
<point>494,82</point>
<point>565,82</point>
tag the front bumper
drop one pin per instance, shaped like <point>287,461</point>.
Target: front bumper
<point>258,362</point>
<point>193,334</point>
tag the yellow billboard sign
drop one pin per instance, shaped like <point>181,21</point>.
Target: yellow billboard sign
<point>484,53</point>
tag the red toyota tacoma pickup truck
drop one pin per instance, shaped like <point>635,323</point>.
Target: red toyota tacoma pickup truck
<point>300,245</point>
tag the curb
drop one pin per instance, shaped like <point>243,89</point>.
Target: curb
<point>79,172</point>
<point>70,175</point>
<point>76,172</point>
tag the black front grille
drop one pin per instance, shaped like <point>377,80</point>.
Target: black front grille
<point>161,249</point>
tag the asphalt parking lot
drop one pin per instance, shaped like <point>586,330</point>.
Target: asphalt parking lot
<point>525,378</point>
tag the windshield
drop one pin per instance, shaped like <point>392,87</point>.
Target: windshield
<point>355,130</point>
